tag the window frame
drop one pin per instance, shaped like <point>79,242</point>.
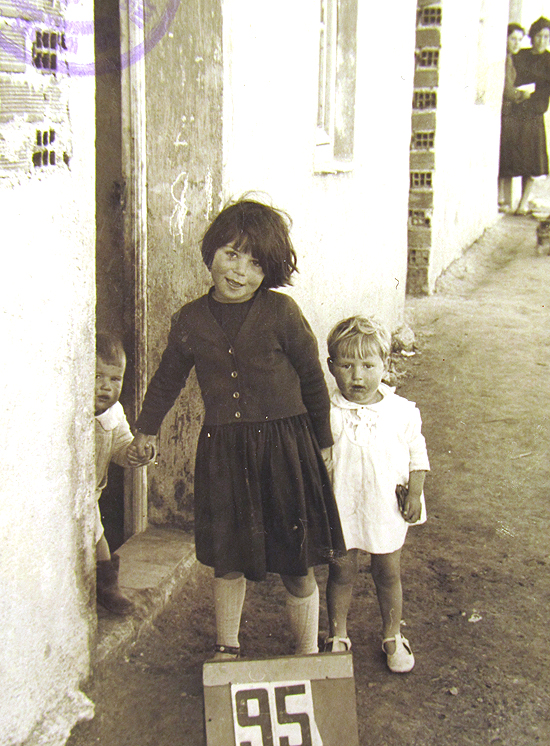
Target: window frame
<point>336,86</point>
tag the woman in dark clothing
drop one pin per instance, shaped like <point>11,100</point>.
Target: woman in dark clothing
<point>527,155</point>
<point>511,95</point>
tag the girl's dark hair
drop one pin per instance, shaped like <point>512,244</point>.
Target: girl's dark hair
<point>537,26</point>
<point>514,27</point>
<point>258,229</point>
<point>109,348</point>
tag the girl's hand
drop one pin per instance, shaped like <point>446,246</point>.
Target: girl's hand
<point>142,449</point>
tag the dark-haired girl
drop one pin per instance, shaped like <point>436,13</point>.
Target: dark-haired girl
<point>263,501</point>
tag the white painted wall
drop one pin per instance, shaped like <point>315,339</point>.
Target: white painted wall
<point>526,12</point>
<point>350,229</point>
<point>467,131</point>
<point>47,299</point>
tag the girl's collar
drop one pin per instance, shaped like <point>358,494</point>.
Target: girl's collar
<point>250,316</point>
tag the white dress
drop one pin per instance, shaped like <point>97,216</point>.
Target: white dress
<point>375,448</point>
<point>112,438</point>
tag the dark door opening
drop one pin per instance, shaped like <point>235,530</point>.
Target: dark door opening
<point>113,311</point>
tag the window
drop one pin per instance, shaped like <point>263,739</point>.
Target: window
<point>423,140</point>
<point>43,153</point>
<point>427,58</point>
<point>421,179</point>
<point>46,47</point>
<point>429,16</point>
<point>419,257</point>
<point>424,99</point>
<point>419,218</point>
<point>336,87</point>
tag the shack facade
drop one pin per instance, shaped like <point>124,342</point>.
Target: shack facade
<point>379,136</point>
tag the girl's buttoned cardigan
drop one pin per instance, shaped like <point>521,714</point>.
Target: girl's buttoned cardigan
<point>270,371</point>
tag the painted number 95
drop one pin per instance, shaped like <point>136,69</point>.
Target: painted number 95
<point>275,714</point>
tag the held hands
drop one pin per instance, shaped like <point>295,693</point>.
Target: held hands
<point>520,96</point>
<point>326,453</point>
<point>142,450</point>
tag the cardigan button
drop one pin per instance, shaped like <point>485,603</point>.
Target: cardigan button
<point>236,395</point>
<point>238,415</point>
<point>234,374</point>
<point>230,350</point>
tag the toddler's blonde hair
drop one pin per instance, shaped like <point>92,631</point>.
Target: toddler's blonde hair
<point>359,335</point>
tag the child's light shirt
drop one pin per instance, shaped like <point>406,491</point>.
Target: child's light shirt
<point>112,438</point>
<point>375,448</point>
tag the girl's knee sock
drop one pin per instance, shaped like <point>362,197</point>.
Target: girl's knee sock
<point>228,603</point>
<point>303,616</point>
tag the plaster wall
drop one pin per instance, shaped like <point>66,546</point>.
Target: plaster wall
<point>525,12</point>
<point>471,79</point>
<point>47,302</point>
<point>183,90</point>
<point>350,229</point>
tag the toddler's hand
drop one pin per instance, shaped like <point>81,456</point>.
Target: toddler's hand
<point>412,507</point>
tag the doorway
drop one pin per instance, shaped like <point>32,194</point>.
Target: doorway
<point>119,282</point>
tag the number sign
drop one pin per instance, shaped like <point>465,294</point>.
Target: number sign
<point>279,713</point>
<point>294,700</point>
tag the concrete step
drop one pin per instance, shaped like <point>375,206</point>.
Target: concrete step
<point>154,565</point>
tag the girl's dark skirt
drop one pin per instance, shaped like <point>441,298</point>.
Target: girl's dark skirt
<point>263,500</point>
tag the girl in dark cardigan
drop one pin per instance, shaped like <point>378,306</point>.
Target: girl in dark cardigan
<point>263,501</point>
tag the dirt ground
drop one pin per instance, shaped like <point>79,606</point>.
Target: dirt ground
<point>476,576</point>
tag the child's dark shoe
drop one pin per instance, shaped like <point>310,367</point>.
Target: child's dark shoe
<point>401,658</point>
<point>109,594</point>
<point>226,652</point>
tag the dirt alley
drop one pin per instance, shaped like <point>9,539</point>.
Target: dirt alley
<point>476,576</point>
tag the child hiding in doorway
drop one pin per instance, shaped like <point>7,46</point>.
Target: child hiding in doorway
<point>263,500</point>
<point>113,442</point>
<point>379,462</point>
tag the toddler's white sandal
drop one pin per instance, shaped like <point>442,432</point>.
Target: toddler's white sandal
<point>402,660</point>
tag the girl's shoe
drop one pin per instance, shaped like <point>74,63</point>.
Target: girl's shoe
<point>336,645</point>
<point>402,660</point>
<point>226,652</point>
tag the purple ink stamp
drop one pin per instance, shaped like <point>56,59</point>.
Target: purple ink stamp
<point>55,39</point>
